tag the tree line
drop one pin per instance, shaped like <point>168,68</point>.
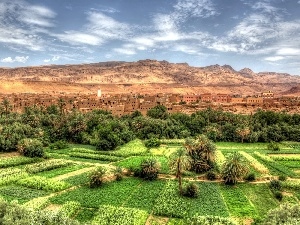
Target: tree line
<point>105,131</point>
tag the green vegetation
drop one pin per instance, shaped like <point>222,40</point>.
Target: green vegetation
<point>42,183</point>
<point>238,204</point>
<point>178,142</point>
<point>110,215</point>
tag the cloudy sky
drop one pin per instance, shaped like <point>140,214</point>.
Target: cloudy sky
<point>263,35</point>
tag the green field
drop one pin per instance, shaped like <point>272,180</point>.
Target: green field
<point>63,177</point>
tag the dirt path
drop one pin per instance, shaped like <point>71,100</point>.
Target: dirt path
<point>9,154</point>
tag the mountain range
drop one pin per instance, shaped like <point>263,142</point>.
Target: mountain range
<point>144,76</point>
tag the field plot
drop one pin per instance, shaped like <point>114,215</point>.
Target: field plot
<point>61,181</point>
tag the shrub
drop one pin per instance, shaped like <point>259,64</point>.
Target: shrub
<point>30,148</point>
<point>152,143</point>
<point>191,190</point>
<point>278,195</point>
<point>285,214</point>
<point>211,175</point>
<point>275,185</point>
<point>282,177</point>
<point>273,146</point>
<point>61,144</point>
<point>250,177</point>
<point>149,169</point>
<point>118,173</point>
<point>96,177</point>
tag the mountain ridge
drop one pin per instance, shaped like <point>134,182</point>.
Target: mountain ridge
<point>147,72</point>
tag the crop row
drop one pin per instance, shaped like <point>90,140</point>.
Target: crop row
<point>16,161</point>
<point>169,203</point>
<point>237,202</point>
<point>42,183</point>
<point>111,215</point>
<point>37,203</point>
<point>96,156</point>
<point>255,164</point>
<point>291,157</point>
<point>70,208</point>
<point>10,175</point>
<point>292,184</point>
<point>282,169</point>
<point>220,158</point>
<point>46,165</point>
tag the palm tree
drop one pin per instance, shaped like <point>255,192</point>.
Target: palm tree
<point>202,153</point>
<point>179,162</point>
<point>234,168</point>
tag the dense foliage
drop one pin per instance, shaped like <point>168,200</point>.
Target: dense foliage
<point>12,214</point>
<point>107,132</point>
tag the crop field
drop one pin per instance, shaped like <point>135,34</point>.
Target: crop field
<point>61,182</point>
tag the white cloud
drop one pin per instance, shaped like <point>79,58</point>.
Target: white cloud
<point>78,38</point>
<point>37,15</point>
<point>53,59</point>
<point>21,59</point>
<point>99,29</point>
<point>288,51</point>
<point>21,25</point>
<point>274,58</point>
<point>124,51</point>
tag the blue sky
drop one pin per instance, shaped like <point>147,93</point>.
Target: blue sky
<point>263,35</point>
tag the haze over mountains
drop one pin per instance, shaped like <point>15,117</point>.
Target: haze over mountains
<point>144,76</point>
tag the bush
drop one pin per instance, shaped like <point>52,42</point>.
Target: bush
<point>191,190</point>
<point>118,173</point>
<point>61,144</point>
<point>285,214</point>
<point>273,146</point>
<point>149,169</point>
<point>278,195</point>
<point>31,148</point>
<point>211,175</point>
<point>275,185</point>
<point>96,178</point>
<point>152,143</point>
<point>282,178</point>
<point>250,177</point>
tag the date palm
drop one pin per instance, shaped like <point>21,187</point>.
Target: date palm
<point>234,168</point>
<point>179,162</point>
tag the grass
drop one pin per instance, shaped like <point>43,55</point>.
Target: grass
<point>22,194</point>
<point>209,202</point>
<point>260,196</point>
<point>145,194</point>
<point>85,215</point>
<point>112,193</point>
<point>76,180</point>
<point>135,162</point>
<point>237,203</point>
<point>60,171</point>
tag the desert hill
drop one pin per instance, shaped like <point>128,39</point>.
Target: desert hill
<point>145,76</point>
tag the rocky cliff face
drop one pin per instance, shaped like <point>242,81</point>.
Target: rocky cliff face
<point>152,72</point>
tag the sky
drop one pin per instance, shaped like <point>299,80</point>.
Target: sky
<point>263,35</point>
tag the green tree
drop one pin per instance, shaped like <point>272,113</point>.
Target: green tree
<point>179,161</point>
<point>234,168</point>
<point>158,112</point>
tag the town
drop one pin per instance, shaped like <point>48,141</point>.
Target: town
<point>124,104</point>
